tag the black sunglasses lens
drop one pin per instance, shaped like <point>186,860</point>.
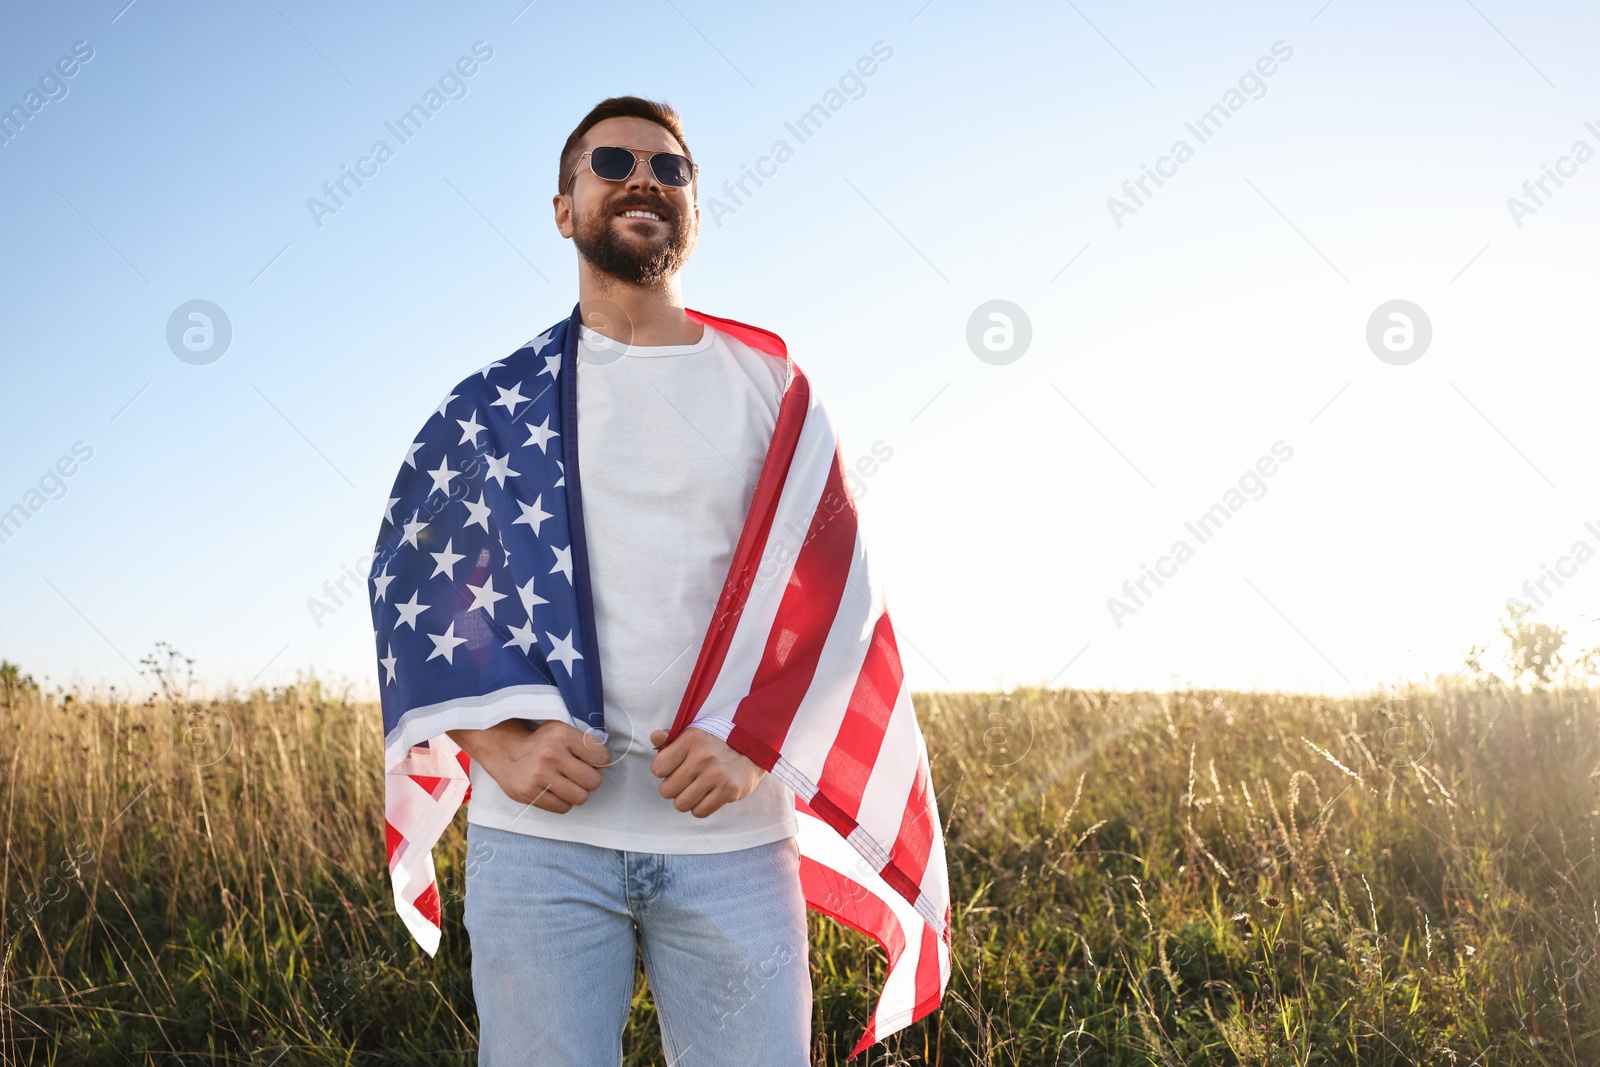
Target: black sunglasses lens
<point>613,164</point>
<point>671,169</point>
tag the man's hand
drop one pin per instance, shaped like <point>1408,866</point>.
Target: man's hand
<point>702,773</point>
<point>553,767</point>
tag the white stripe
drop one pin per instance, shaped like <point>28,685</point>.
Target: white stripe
<point>797,503</point>
<point>474,713</point>
<point>935,887</point>
<point>816,722</point>
<point>894,772</point>
<point>819,842</point>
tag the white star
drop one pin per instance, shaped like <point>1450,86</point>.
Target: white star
<point>509,397</point>
<point>409,612</point>
<point>505,550</point>
<point>563,650</point>
<point>445,562</point>
<point>534,516</point>
<point>538,343</point>
<point>412,529</point>
<point>563,479</point>
<point>523,637</point>
<point>540,435</point>
<point>445,644</point>
<point>563,561</point>
<point>552,366</point>
<point>441,477</point>
<point>382,582</point>
<point>500,469</point>
<point>476,513</point>
<point>389,508</point>
<point>529,598</point>
<point>485,370</point>
<point>484,596</point>
<point>446,403</point>
<point>469,429</point>
<point>411,454</point>
<point>389,662</point>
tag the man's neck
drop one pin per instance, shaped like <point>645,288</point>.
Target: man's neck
<point>634,314</point>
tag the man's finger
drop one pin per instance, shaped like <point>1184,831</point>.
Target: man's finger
<point>694,793</point>
<point>588,747</point>
<point>585,775</point>
<point>710,805</point>
<point>670,758</point>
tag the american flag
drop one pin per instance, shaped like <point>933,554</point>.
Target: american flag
<point>482,612</point>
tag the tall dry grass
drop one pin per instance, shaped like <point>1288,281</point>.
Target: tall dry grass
<point>1194,878</point>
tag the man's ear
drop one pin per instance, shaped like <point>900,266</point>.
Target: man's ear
<point>562,204</point>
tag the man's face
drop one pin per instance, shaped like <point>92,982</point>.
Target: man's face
<point>633,249</point>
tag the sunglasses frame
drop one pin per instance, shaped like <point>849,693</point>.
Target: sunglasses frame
<point>650,158</point>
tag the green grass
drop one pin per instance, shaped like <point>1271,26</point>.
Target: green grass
<point>1193,878</point>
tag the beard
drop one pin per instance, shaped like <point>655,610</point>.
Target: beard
<point>645,261</point>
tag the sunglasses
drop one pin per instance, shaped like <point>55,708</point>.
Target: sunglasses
<point>617,164</point>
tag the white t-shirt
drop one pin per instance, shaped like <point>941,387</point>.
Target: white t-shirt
<point>671,441</point>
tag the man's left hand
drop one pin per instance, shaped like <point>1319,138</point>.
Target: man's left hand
<point>701,772</point>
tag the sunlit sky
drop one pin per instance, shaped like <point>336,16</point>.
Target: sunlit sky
<point>1171,346</point>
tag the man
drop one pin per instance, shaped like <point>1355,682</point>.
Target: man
<point>689,851</point>
<point>666,670</point>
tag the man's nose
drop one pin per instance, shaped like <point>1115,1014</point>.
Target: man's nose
<point>643,177</point>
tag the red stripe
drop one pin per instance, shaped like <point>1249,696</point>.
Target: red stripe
<point>927,984</point>
<point>392,839</point>
<point>754,336</point>
<point>428,782</point>
<point>855,747</point>
<point>847,900</point>
<point>427,903</point>
<point>914,842</point>
<point>747,557</point>
<point>805,615</point>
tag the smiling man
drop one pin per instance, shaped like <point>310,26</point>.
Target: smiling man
<point>585,853</point>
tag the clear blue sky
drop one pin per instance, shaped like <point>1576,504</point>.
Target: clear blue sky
<point>1171,346</point>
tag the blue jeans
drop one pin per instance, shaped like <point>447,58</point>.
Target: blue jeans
<point>554,926</point>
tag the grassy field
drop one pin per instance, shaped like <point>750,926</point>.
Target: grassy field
<point>1190,878</point>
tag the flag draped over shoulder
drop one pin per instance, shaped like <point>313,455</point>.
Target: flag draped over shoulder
<point>482,612</point>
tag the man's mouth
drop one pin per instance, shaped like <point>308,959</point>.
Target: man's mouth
<point>640,214</point>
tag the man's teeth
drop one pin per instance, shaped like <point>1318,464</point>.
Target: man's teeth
<point>641,215</point>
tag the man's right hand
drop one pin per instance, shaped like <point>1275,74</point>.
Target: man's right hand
<point>554,766</point>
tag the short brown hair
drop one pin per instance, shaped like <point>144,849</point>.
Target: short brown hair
<point>619,107</point>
